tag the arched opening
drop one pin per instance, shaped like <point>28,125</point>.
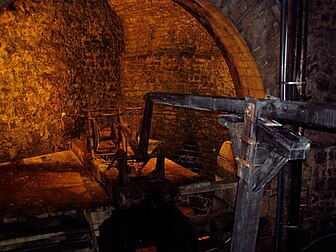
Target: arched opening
<point>243,68</point>
<point>183,50</point>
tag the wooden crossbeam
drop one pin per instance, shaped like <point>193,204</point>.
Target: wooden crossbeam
<point>320,115</point>
<point>261,148</point>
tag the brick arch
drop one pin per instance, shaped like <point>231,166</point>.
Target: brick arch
<point>243,68</point>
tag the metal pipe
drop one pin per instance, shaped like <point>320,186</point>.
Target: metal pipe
<point>283,49</point>
<point>295,47</point>
<point>294,174</point>
<point>283,96</point>
<point>303,58</point>
<point>298,76</point>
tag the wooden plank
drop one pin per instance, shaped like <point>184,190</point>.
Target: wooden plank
<point>248,201</point>
<point>315,115</point>
<point>247,214</point>
<point>145,129</point>
<point>260,159</point>
<point>209,186</point>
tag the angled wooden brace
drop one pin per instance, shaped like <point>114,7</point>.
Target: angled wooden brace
<point>261,148</point>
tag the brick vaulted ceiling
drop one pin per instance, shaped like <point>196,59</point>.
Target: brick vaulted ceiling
<point>153,27</point>
<point>241,64</point>
<point>183,47</point>
<point>59,58</point>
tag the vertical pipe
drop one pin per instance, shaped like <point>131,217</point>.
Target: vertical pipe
<point>298,76</point>
<point>293,175</point>
<point>295,47</point>
<point>303,58</point>
<point>283,49</point>
<point>283,96</point>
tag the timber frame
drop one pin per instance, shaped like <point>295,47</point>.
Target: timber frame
<point>262,145</point>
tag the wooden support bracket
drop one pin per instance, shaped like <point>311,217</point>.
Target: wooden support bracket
<point>262,147</point>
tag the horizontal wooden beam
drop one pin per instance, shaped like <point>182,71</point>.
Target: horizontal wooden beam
<point>208,186</point>
<point>309,115</point>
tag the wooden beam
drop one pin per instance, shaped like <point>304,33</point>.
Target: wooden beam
<point>314,115</point>
<point>145,129</point>
<point>247,214</point>
<point>208,186</point>
<point>261,148</point>
<point>248,201</point>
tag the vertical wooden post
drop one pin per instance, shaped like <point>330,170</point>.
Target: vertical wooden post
<point>246,220</point>
<point>248,201</point>
<point>145,129</point>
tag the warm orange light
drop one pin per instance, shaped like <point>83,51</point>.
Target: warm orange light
<point>203,238</point>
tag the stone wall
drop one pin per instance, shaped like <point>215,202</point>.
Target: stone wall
<point>76,49</point>
<point>168,50</point>
<point>319,177</point>
<point>318,209</point>
<point>60,58</point>
<point>258,23</point>
<point>56,58</point>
